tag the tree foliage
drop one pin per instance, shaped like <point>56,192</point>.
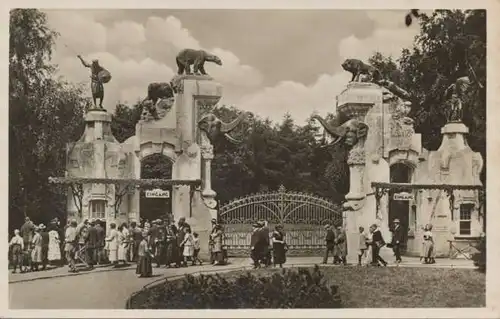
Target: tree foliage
<point>451,44</point>
<point>44,114</point>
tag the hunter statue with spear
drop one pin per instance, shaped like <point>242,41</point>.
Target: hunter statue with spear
<point>98,76</point>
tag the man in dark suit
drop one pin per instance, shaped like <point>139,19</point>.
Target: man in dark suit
<point>101,241</point>
<point>266,242</point>
<point>330,242</point>
<point>377,243</point>
<point>92,244</point>
<point>397,239</point>
<point>256,245</point>
<point>27,232</point>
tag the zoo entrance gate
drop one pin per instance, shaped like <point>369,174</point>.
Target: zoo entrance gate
<point>302,215</point>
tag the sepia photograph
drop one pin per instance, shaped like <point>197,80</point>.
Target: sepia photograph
<point>247,158</point>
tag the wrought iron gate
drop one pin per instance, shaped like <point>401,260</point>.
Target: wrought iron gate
<point>302,215</point>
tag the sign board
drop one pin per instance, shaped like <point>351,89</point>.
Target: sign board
<point>403,196</point>
<point>157,193</point>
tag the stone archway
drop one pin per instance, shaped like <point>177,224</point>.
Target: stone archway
<point>156,166</point>
<point>400,172</point>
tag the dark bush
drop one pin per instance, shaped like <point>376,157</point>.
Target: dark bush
<point>302,288</point>
<point>479,258</point>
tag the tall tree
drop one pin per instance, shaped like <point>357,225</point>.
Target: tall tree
<point>44,114</point>
<point>451,44</point>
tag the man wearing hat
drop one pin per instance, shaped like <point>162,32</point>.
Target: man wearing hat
<point>397,239</point>
<point>256,245</point>
<point>101,242</point>
<point>92,244</point>
<point>70,245</point>
<point>210,241</point>
<point>330,242</point>
<point>153,236</point>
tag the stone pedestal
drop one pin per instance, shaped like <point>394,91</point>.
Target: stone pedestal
<point>97,154</point>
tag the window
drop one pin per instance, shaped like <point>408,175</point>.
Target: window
<point>465,219</point>
<point>98,209</point>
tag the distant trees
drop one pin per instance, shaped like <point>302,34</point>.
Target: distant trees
<point>270,155</point>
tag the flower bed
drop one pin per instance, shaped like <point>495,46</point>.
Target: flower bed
<point>300,288</point>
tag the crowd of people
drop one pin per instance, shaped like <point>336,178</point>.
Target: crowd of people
<point>165,243</point>
<point>158,242</point>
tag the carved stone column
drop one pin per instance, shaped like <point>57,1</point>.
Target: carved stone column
<point>356,162</point>
<point>207,155</point>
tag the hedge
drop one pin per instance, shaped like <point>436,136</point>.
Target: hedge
<point>301,288</point>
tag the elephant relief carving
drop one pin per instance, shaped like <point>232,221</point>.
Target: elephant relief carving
<point>351,132</point>
<point>217,130</point>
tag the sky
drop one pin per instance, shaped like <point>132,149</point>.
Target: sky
<point>274,61</point>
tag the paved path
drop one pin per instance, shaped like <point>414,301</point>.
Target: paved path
<point>105,288</point>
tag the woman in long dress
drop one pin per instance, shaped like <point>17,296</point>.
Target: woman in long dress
<point>112,241</point>
<point>144,263</point>
<point>122,244</point>
<point>172,249</point>
<point>54,253</point>
<point>36,253</point>
<point>216,239</point>
<point>279,249</point>
<point>188,245</point>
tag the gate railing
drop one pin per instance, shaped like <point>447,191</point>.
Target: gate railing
<point>303,217</point>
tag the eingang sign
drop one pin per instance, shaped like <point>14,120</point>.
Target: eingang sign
<point>403,196</point>
<point>157,193</point>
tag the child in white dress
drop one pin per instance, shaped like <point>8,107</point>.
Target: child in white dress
<point>428,246</point>
<point>188,244</point>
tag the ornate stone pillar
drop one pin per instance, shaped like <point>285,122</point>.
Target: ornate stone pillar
<point>195,154</point>
<point>355,102</point>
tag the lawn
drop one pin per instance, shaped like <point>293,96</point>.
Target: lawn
<point>369,287</point>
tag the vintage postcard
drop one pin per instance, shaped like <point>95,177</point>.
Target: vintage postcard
<point>292,159</point>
